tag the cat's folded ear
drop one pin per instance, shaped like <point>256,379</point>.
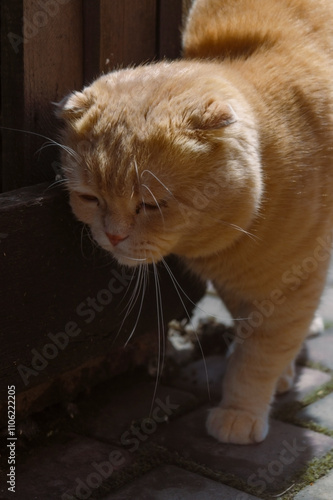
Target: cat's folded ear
<point>212,116</point>
<point>73,106</point>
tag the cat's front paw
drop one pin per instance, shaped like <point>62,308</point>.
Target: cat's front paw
<point>236,426</point>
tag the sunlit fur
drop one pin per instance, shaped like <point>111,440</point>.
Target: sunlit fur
<point>225,159</point>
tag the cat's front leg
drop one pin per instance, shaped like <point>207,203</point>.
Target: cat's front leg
<point>252,377</point>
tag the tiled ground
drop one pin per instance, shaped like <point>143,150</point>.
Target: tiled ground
<point>128,440</point>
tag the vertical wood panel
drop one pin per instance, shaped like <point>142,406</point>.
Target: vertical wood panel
<point>91,39</point>
<point>52,68</point>
<point>128,32</point>
<point>57,57</point>
<point>12,114</point>
<point>170,20</point>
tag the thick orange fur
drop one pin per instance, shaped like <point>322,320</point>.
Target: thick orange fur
<point>224,158</point>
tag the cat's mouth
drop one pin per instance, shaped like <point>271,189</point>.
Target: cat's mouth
<point>135,259</point>
<point>127,260</point>
<point>133,254</point>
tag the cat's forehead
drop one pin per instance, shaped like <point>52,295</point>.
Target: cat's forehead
<point>141,120</point>
<point>117,161</point>
<point>143,80</point>
<point>173,96</point>
<point>147,92</point>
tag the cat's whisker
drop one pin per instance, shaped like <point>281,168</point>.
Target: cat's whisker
<point>131,302</point>
<point>177,288</point>
<point>235,226</point>
<point>155,200</point>
<point>137,172</point>
<point>72,153</point>
<point>81,240</point>
<point>136,259</point>
<point>69,150</point>
<point>90,237</point>
<point>225,223</point>
<point>139,184</point>
<point>160,332</point>
<point>161,320</point>
<point>56,183</point>
<point>45,145</point>
<point>128,288</point>
<point>86,231</point>
<point>252,236</point>
<point>158,180</point>
<point>143,292</point>
<point>135,294</point>
<point>187,297</point>
<point>140,287</point>
<point>165,187</point>
<point>29,132</point>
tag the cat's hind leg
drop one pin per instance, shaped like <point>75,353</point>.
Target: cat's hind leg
<point>286,380</point>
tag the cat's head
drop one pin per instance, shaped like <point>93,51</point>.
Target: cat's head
<point>161,159</point>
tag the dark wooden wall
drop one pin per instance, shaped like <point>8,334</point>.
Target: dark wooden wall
<point>50,274</point>
<point>64,303</point>
<point>59,48</point>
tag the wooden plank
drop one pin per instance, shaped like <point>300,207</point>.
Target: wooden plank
<point>48,45</point>
<point>67,385</point>
<point>117,33</point>
<point>128,33</point>
<point>12,97</point>
<point>52,68</point>
<point>91,39</point>
<point>64,302</point>
<point>170,21</point>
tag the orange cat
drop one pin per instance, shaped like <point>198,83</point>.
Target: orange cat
<point>225,159</point>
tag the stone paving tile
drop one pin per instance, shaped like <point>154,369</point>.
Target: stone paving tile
<point>121,410</point>
<point>320,412</point>
<point>307,381</point>
<point>204,379</point>
<point>79,464</point>
<point>172,483</point>
<point>319,349</point>
<point>196,376</point>
<point>269,465</point>
<point>320,490</point>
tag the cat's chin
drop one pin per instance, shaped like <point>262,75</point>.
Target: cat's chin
<point>123,260</point>
<point>129,261</point>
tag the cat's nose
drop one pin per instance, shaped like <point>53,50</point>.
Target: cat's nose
<point>116,238</point>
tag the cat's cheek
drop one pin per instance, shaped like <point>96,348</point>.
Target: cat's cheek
<point>100,237</point>
<point>120,255</point>
<point>84,212</point>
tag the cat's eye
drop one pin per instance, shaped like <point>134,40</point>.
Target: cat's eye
<point>149,206</point>
<point>89,197</point>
